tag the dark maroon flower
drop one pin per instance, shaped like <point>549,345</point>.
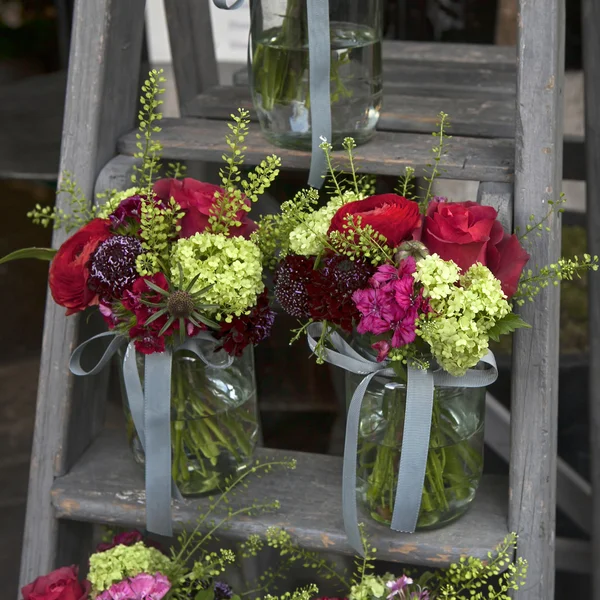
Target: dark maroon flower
<point>130,208</point>
<point>127,538</point>
<point>248,329</point>
<point>293,274</point>
<point>331,287</point>
<point>147,342</point>
<point>113,266</point>
<point>222,591</point>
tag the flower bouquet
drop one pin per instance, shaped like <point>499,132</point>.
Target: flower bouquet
<point>173,270</point>
<point>405,294</point>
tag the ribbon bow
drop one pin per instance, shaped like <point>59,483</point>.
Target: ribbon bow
<point>417,427</point>
<point>150,408</point>
<point>319,69</point>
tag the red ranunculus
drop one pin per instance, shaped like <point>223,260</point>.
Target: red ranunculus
<point>62,584</point>
<point>69,271</point>
<point>395,217</point>
<point>196,199</point>
<point>468,233</point>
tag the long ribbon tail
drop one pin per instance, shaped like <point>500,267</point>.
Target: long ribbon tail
<point>319,56</point>
<point>349,508</point>
<point>113,347</point>
<point>415,447</point>
<point>157,425</point>
<point>223,4</point>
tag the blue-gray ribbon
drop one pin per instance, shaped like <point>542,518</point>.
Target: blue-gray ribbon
<point>319,66</point>
<point>150,408</point>
<point>417,427</point>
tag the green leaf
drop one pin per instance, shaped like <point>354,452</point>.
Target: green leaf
<point>506,325</point>
<point>205,595</point>
<point>39,253</point>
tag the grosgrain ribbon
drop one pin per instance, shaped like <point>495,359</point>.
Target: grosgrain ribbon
<point>319,59</point>
<point>417,427</point>
<point>150,407</point>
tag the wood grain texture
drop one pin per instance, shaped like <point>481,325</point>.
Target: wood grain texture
<point>192,48</point>
<point>538,179</point>
<point>387,154</point>
<point>591,58</point>
<point>101,93</point>
<point>500,197</point>
<point>471,117</point>
<point>107,486</point>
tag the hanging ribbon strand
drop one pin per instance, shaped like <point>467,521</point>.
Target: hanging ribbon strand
<point>417,427</point>
<point>150,407</point>
<point>319,60</point>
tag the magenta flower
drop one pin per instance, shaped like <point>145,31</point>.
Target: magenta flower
<point>407,267</point>
<point>397,587</point>
<point>404,292</point>
<point>374,306</point>
<point>384,275</point>
<point>383,349</point>
<point>405,330</point>
<point>140,587</point>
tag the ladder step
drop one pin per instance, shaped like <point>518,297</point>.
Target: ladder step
<point>388,153</point>
<point>470,116</point>
<point>106,486</point>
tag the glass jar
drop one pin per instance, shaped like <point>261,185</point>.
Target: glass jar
<point>279,72</point>
<point>214,421</point>
<point>455,458</point>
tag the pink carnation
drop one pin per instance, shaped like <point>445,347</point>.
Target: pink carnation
<point>140,587</point>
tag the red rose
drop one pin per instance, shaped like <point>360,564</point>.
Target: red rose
<point>393,216</point>
<point>468,233</point>
<point>62,584</point>
<point>196,199</point>
<point>69,271</point>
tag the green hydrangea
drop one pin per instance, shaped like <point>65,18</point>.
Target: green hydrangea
<point>464,307</point>
<point>231,265</point>
<point>307,239</point>
<point>114,200</point>
<point>120,562</point>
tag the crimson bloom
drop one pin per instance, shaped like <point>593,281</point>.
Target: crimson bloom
<point>62,584</point>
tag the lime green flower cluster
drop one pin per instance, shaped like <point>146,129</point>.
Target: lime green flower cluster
<point>120,562</point>
<point>230,265</point>
<point>464,310</point>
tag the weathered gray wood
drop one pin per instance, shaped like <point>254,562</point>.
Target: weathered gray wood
<point>116,174</point>
<point>591,55</point>
<point>500,197</point>
<point>387,154</point>
<point>101,98</point>
<point>573,492</point>
<point>472,116</point>
<point>192,48</point>
<point>107,486</point>
<point>574,556</point>
<point>538,179</point>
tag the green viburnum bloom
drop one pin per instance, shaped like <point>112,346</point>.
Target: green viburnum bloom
<point>120,562</point>
<point>230,265</point>
<point>457,328</point>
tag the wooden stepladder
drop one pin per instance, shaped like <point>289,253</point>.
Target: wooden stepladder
<point>79,472</point>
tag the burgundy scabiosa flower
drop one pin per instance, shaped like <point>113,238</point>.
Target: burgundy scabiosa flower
<point>113,266</point>
<point>248,329</point>
<point>293,274</point>
<point>222,591</point>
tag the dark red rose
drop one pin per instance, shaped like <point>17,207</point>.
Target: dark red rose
<point>395,217</point>
<point>70,268</point>
<point>196,199</point>
<point>468,233</point>
<point>62,584</point>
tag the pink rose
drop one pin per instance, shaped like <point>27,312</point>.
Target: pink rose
<point>62,584</point>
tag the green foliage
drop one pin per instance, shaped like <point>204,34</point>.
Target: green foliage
<point>439,151</point>
<point>39,253</point>
<point>507,324</point>
<point>225,209</point>
<point>556,208</point>
<point>406,184</point>
<point>273,234</point>
<point>176,170</point>
<point>149,150</point>
<point>79,214</point>
<point>361,241</point>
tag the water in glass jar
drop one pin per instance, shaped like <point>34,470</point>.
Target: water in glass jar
<point>281,86</point>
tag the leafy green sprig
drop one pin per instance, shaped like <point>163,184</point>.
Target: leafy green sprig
<point>227,205</point>
<point>440,149</point>
<point>556,207</point>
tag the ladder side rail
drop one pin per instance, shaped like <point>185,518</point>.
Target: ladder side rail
<point>102,88</point>
<point>538,178</point>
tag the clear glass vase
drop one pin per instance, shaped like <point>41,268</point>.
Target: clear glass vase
<point>455,458</point>
<point>214,421</point>
<point>279,70</point>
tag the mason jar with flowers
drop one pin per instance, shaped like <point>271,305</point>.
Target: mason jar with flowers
<point>174,271</point>
<point>404,293</point>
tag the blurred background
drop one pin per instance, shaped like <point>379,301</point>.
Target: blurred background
<point>302,411</point>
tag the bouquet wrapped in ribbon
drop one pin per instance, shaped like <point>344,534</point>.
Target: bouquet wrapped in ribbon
<point>405,293</point>
<point>172,267</point>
